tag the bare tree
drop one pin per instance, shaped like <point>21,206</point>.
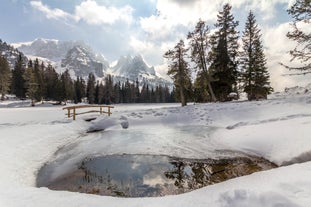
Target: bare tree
<point>301,13</point>
<point>179,70</point>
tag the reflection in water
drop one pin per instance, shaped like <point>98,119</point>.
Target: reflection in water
<point>148,175</point>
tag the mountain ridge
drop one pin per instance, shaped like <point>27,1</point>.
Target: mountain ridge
<point>11,54</point>
<point>80,60</point>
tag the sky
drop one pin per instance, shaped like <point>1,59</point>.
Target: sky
<point>147,27</point>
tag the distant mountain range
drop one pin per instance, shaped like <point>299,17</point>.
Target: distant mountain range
<point>80,60</point>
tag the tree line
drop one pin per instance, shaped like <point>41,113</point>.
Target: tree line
<point>39,82</point>
<point>223,68</point>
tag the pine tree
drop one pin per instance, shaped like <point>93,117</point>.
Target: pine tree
<point>108,90</point>
<point>52,83</point>
<point>179,71</point>
<point>5,77</point>
<point>80,88</point>
<point>18,82</point>
<point>223,55</point>
<point>127,92</point>
<point>90,88</point>
<point>301,13</point>
<point>199,46</point>
<point>31,85</point>
<point>143,94</point>
<point>253,62</point>
<point>97,98</point>
<point>101,93</point>
<point>117,93</point>
<point>67,87</point>
<point>201,93</point>
<point>38,70</point>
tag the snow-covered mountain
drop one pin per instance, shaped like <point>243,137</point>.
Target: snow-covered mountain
<point>75,56</point>
<point>81,60</point>
<point>133,67</point>
<point>10,53</point>
<point>53,50</point>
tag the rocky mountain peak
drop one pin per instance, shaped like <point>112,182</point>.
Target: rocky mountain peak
<point>83,61</point>
<point>133,67</point>
<point>53,50</point>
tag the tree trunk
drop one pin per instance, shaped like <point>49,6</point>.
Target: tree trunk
<point>210,89</point>
<point>182,97</point>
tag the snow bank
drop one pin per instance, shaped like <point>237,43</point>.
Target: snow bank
<point>276,129</point>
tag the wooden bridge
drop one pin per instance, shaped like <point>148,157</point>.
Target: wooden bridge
<point>72,110</point>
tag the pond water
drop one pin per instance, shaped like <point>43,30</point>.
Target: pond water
<point>149,175</point>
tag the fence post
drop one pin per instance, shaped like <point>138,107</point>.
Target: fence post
<point>108,110</point>
<point>74,113</point>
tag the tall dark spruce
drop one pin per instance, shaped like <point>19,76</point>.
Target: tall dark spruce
<point>18,82</point>
<point>301,13</point>
<point>80,90</point>
<point>5,76</point>
<point>52,84</point>
<point>31,83</point>
<point>223,55</point>
<point>90,88</point>
<point>38,70</point>
<point>67,86</point>
<point>179,71</point>
<point>255,74</point>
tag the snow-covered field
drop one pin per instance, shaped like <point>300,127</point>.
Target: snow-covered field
<point>277,129</point>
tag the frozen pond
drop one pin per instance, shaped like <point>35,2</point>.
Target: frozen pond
<point>145,162</point>
<point>150,175</point>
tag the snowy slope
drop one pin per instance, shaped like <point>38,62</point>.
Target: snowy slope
<point>277,129</point>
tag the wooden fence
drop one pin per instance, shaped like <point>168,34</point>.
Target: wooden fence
<point>72,110</point>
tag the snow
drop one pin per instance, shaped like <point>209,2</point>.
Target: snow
<point>277,129</point>
<point>19,44</point>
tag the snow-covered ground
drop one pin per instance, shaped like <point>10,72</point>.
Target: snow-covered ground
<point>278,129</point>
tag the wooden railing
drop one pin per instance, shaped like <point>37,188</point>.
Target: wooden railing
<point>72,110</point>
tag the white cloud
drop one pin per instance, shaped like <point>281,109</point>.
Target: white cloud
<point>173,15</point>
<point>92,13</point>
<point>57,14</point>
<point>185,13</point>
<point>151,52</point>
<point>88,11</point>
